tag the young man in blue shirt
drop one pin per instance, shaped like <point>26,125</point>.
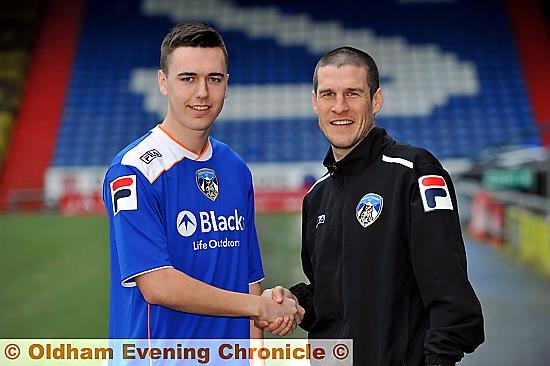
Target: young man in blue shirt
<point>185,259</point>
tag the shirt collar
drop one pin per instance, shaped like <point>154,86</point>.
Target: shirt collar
<point>362,155</point>
<point>180,150</point>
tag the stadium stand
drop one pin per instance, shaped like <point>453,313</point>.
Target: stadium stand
<point>18,25</point>
<point>450,72</point>
<point>533,40</point>
<point>457,96</point>
<point>35,127</point>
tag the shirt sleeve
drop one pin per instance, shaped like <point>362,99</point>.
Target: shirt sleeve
<point>255,267</point>
<point>136,231</point>
<point>304,292</point>
<point>439,263</point>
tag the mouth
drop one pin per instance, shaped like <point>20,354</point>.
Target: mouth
<point>341,122</point>
<point>200,107</point>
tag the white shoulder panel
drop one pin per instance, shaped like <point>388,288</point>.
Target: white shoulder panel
<point>388,159</point>
<point>158,153</point>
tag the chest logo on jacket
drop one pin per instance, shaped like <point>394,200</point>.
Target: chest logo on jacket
<point>207,181</point>
<point>369,209</point>
<point>320,220</point>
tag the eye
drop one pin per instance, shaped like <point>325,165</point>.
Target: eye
<point>187,79</point>
<point>215,80</point>
<point>352,94</point>
<point>327,94</point>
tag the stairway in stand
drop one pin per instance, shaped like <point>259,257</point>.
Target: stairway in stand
<point>35,129</point>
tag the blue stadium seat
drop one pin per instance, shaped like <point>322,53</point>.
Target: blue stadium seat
<point>102,113</point>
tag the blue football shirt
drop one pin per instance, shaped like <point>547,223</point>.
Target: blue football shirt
<point>169,207</point>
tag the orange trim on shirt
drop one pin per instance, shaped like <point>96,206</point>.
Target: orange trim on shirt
<point>148,321</point>
<point>165,170</point>
<point>149,333</point>
<point>204,149</point>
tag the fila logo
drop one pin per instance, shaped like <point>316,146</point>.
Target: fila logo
<point>435,193</point>
<point>150,155</point>
<point>320,220</point>
<point>124,193</point>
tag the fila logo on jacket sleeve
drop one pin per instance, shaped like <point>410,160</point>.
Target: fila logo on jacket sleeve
<point>124,193</point>
<point>435,193</point>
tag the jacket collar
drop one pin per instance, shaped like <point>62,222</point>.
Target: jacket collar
<point>363,155</point>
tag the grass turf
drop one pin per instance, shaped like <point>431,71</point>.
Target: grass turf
<point>55,272</point>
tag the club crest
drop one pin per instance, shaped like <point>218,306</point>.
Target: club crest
<point>207,181</point>
<point>369,208</point>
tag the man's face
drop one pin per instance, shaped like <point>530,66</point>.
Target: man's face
<point>196,85</point>
<point>344,107</point>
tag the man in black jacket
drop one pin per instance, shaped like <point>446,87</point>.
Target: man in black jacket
<point>381,241</point>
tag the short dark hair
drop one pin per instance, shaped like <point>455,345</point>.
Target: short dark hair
<point>190,35</point>
<point>350,56</point>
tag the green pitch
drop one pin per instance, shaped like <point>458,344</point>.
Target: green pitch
<point>55,272</point>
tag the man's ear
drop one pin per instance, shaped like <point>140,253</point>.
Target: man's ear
<point>377,101</point>
<point>161,77</point>
<point>226,85</point>
<point>314,101</point>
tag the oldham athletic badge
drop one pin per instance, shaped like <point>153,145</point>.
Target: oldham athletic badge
<point>369,208</point>
<point>207,181</point>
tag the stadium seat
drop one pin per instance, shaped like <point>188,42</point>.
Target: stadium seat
<point>277,43</point>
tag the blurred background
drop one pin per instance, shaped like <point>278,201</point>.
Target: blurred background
<point>466,79</point>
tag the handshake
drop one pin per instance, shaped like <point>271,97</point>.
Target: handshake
<point>280,312</point>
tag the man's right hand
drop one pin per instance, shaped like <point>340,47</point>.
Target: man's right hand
<point>281,326</point>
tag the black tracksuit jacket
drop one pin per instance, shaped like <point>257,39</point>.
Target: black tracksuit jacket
<point>397,286</point>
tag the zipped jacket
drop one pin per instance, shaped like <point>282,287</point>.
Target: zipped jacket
<point>383,252</point>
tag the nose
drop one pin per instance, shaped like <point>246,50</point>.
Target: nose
<point>202,89</point>
<point>340,106</point>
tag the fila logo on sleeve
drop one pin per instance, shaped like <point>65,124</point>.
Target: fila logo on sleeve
<point>124,193</point>
<point>435,193</point>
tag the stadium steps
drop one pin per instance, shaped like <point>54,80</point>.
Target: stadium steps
<point>533,42</point>
<point>18,25</point>
<point>35,128</point>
